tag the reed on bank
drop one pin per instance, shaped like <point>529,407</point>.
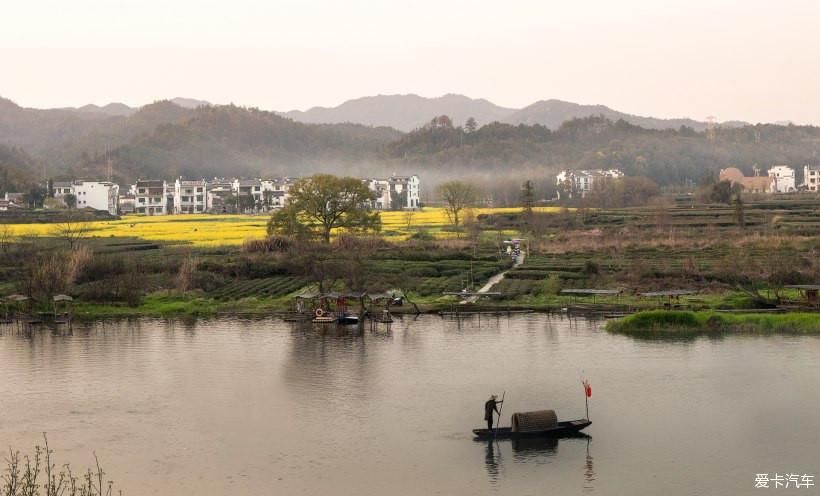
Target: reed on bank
<point>657,322</point>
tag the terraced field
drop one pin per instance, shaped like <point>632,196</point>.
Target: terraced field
<point>268,287</point>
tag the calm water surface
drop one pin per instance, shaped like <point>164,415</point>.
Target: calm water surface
<point>265,407</point>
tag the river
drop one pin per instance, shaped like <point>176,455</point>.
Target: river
<point>227,406</point>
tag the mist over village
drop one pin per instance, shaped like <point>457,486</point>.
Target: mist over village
<point>354,248</point>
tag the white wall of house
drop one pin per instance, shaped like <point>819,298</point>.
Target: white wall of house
<point>413,185</point>
<point>98,195</point>
<point>582,181</point>
<point>381,190</point>
<point>251,187</point>
<point>811,177</point>
<point>277,190</point>
<point>782,177</point>
<point>150,197</point>
<point>190,197</point>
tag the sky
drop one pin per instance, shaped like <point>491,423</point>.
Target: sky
<point>751,60</point>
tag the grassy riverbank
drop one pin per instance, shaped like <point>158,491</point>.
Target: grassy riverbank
<point>672,322</point>
<point>207,265</point>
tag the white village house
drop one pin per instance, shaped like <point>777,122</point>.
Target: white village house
<point>190,197</point>
<point>395,192</point>
<point>782,177</point>
<point>811,177</point>
<point>99,195</point>
<point>150,197</point>
<point>572,183</point>
<point>404,192</point>
<point>183,196</point>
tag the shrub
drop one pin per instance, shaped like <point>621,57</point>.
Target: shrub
<point>271,244</point>
<point>422,235</point>
<point>23,476</point>
<point>551,285</point>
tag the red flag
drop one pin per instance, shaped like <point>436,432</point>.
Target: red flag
<point>587,389</point>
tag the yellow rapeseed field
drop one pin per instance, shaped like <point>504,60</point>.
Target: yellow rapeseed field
<point>216,230</point>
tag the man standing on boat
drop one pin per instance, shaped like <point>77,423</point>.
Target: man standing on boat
<point>489,407</point>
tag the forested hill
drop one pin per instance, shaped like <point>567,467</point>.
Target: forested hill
<point>16,169</point>
<point>666,156</point>
<point>59,137</point>
<point>165,140</point>
<point>233,141</point>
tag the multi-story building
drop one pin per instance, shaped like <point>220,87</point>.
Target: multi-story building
<point>150,197</point>
<point>275,192</point>
<point>190,197</point>
<point>61,188</point>
<point>127,203</point>
<point>782,177</point>
<point>811,177</point>
<point>218,192</point>
<point>395,192</point>
<point>157,197</point>
<point>381,191</point>
<point>248,187</point>
<point>572,183</point>
<point>404,192</point>
<point>99,195</point>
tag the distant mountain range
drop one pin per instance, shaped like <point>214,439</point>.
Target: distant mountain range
<point>367,136</point>
<point>122,110</point>
<point>404,112</point>
<point>408,112</point>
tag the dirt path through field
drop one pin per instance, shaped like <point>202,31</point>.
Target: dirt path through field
<point>493,281</point>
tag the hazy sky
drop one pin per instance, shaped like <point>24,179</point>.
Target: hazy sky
<point>751,60</point>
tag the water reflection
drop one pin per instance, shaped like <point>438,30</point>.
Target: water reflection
<point>490,460</point>
<point>589,471</point>
<point>174,408</point>
<point>536,450</point>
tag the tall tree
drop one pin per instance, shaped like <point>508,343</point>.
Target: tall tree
<point>325,202</point>
<point>456,195</point>
<point>528,196</point>
<point>740,211</point>
<point>470,126</point>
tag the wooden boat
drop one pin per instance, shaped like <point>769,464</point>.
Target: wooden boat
<point>567,428</point>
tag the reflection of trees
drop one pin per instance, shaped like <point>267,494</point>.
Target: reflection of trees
<point>324,361</point>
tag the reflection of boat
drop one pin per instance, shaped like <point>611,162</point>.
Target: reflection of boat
<point>538,445</point>
<point>567,428</point>
<point>347,319</point>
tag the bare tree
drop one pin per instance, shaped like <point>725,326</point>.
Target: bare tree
<point>457,195</point>
<point>73,230</point>
<point>185,276</point>
<point>6,237</point>
<point>408,219</point>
